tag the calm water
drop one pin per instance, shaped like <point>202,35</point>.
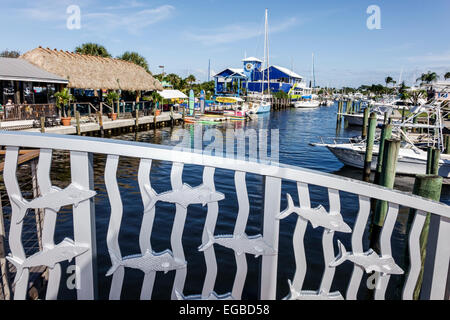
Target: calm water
<point>297,128</point>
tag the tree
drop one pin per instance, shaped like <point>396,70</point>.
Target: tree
<point>63,99</point>
<point>190,79</point>
<point>9,54</point>
<point>388,80</point>
<point>428,77</point>
<point>93,49</point>
<point>447,76</point>
<point>136,58</point>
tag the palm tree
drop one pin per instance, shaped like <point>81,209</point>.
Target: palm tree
<point>93,49</point>
<point>190,79</point>
<point>63,99</point>
<point>428,77</point>
<point>136,58</point>
<point>388,80</point>
<point>447,76</point>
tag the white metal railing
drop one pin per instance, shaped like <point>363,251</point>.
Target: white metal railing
<point>82,248</point>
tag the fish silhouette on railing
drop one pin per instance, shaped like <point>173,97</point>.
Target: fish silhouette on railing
<point>312,295</point>
<point>369,260</point>
<point>317,216</point>
<point>211,296</point>
<point>148,262</point>
<point>55,199</point>
<point>240,243</point>
<point>65,250</point>
<point>185,196</point>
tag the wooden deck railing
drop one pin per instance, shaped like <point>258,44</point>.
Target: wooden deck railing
<point>80,193</point>
<point>28,111</point>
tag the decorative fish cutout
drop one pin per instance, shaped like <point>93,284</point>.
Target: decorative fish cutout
<point>65,250</point>
<point>211,296</point>
<point>185,196</point>
<point>317,216</point>
<point>150,261</point>
<point>312,295</point>
<point>369,260</point>
<point>55,199</point>
<point>240,243</point>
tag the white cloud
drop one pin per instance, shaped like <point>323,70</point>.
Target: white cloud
<point>233,33</point>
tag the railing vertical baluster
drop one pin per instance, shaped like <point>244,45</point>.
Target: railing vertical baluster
<point>385,243</point>
<point>177,230</point>
<point>147,225</point>
<point>414,254</point>
<point>327,243</point>
<point>81,165</point>
<point>50,216</point>
<point>15,230</point>
<point>272,198</point>
<point>439,257</point>
<point>357,246</point>
<point>239,229</point>
<point>210,224</point>
<point>112,237</point>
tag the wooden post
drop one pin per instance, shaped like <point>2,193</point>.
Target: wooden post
<point>136,124</point>
<point>42,124</point>
<point>154,117</point>
<point>447,143</point>
<point>369,146</point>
<point>171,116</point>
<point>118,108</point>
<point>387,179</point>
<point>77,118</point>
<point>365,123</point>
<point>386,133</point>
<point>427,186</point>
<point>100,123</point>
<point>433,156</point>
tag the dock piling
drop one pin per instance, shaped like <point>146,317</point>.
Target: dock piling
<point>387,179</point>
<point>369,146</point>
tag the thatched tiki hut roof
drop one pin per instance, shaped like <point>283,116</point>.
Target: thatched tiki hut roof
<point>91,72</point>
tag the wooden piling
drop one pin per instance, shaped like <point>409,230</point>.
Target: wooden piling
<point>387,179</point>
<point>365,123</point>
<point>386,133</point>
<point>136,122</point>
<point>100,123</point>
<point>447,143</point>
<point>42,124</point>
<point>369,146</point>
<point>433,157</point>
<point>77,118</point>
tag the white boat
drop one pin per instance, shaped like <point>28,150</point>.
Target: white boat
<point>411,161</point>
<point>308,104</point>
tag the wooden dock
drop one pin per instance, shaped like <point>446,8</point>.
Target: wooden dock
<point>107,124</point>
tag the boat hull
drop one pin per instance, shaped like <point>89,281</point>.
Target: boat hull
<point>407,164</point>
<point>306,104</point>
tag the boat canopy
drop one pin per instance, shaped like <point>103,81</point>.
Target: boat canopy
<point>172,94</point>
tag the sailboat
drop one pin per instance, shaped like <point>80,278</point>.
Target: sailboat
<point>307,101</point>
<point>264,104</point>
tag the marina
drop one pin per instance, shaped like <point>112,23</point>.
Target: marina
<point>119,182</point>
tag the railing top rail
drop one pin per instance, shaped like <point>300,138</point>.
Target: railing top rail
<point>168,153</point>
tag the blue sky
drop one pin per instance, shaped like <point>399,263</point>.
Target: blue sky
<point>183,34</point>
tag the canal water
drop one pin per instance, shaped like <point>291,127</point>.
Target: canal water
<point>297,129</point>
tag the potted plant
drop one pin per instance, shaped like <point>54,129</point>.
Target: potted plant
<point>156,97</point>
<point>63,99</point>
<point>111,97</point>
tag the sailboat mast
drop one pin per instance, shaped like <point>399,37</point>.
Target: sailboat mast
<point>267,50</point>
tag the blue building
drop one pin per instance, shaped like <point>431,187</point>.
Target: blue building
<point>233,81</point>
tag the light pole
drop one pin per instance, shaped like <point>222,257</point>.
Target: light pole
<point>162,67</point>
